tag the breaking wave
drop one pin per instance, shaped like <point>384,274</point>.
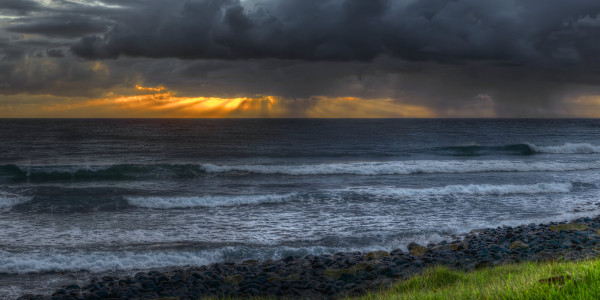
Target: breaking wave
<point>568,148</point>
<point>207,201</point>
<point>91,173</point>
<point>470,189</point>
<point>101,261</point>
<point>376,192</point>
<point>519,149</point>
<point>405,167</point>
<point>8,200</point>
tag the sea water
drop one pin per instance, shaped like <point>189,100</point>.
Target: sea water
<point>83,198</point>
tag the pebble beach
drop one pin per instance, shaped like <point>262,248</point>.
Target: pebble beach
<point>344,274</point>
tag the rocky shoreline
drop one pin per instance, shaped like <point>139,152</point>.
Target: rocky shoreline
<point>347,274</point>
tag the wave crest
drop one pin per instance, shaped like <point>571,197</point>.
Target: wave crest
<point>206,201</point>
<point>568,148</point>
<point>8,200</point>
<point>470,189</point>
<point>404,167</point>
<point>101,261</point>
<point>347,193</point>
<point>519,149</point>
<point>91,173</point>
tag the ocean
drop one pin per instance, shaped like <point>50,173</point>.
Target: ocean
<point>87,197</point>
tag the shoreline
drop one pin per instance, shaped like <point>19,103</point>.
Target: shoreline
<point>348,273</point>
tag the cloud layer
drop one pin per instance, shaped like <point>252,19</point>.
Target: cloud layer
<point>510,32</point>
<point>456,58</point>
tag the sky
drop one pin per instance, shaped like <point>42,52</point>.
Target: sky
<point>300,58</point>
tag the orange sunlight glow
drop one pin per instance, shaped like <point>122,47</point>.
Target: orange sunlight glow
<point>160,102</point>
<point>156,89</point>
<point>584,106</point>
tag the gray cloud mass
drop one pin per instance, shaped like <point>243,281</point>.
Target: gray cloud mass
<point>514,32</point>
<point>520,58</point>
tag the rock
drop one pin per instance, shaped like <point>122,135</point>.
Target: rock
<point>318,265</point>
<point>101,294</point>
<point>291,277</point>
<point>518,245</point>
<point>148,284</point>
<point>386,271</point>
<point>250,262</point>
<point>60,292</point>
<point>465,243</point>
<point>569,227</point>
<point>399,252</point>
<point>289,258</point>
<point>346,277</point>
<point>496,249</point>
<point>377,254</point>
<point>336,273</point>
<point>417,250</point>
<point>456,246</point>
<point>448,247</point>
<point>73,287</point>
<point>236,279</point>
<point>445,247</point>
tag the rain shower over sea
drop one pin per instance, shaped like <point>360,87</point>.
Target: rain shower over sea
<point>82,198</point>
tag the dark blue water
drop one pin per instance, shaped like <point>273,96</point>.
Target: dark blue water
<point>97,196</point>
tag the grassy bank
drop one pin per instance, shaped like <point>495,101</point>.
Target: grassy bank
<point>546,280</point>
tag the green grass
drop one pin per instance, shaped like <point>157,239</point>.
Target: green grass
<point>515,281</point>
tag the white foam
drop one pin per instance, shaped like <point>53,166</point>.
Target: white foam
<point>101,261</point>
<point>470,189</point>
<point>568,148</point>
<point>405,167</point>
<point>8,200</point>
<point>207,201</point>
<point>386,191</point>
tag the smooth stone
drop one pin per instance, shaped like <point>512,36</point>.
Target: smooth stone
<point>465,243</point>
<point>456,246</point>
<point>418,250</point>
<point>250,262</point>
<point>377,254</point>
<point>289,258</point>
<point>396,252</point>
<point>73,287</point>
<point>346,277</point>
<point>518,245</point>
<point>336,273</point>
<point>569,227</point>
<point>448,247</point>
<point>101,293</point>
<point>444,247</point>
<point>236,279</point>
<point>60,292</point>
<point>148,284</point>
<point>386,271</point>
<point>291,277</point>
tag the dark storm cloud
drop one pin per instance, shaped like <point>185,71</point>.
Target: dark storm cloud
<point>453,31</point>
<point>309,30</point>
<point>457,57</point>
<point>19,6</point>
<point>59,26</point>
<point>55,53</point>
